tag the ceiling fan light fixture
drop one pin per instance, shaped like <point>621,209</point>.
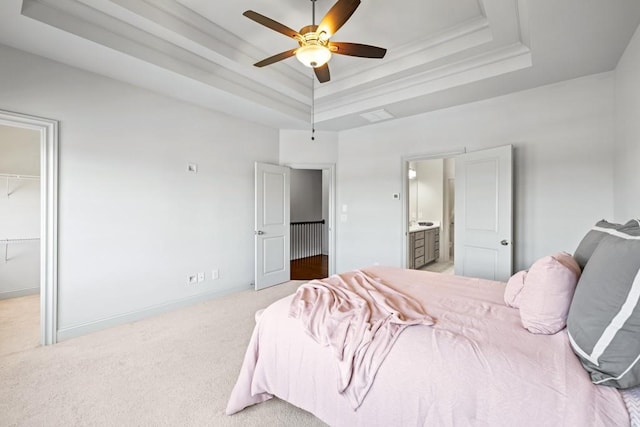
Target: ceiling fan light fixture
<point>313,55</point>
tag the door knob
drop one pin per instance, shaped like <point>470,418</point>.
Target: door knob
<point>504,243</point>
<point>258,233</point>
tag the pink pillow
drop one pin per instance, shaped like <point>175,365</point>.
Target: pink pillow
<point>513,289</point>
<point>547,293</point>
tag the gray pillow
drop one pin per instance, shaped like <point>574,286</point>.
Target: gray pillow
<point>592,238</point>
<point>604,318</point>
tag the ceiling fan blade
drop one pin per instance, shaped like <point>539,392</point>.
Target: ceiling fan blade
<point>322,73</point>
<point>337,16</point>
<point>275,58</point>
<point>356,49</point>
<point>270,23</point>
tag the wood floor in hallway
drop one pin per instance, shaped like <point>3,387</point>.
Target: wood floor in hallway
<point>313,267</point>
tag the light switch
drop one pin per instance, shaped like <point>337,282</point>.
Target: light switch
<point>344,208</point>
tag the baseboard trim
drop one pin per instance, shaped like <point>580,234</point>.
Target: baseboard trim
<point>19,293</point>
<point>134,316</point>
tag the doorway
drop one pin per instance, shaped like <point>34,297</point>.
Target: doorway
<point>311,191</point>
<point>272,205</point>
<point>431,214</point>
<point>19,239</point>
<point>482,199</point>
<point>31,187</point>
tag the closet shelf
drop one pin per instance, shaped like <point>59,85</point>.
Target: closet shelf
<point>9,177</point>
<point>6,242</point>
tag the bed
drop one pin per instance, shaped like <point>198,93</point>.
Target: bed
<point>474,365</point>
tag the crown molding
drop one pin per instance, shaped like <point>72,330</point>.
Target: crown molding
<point>84,20</point>
<point>484,66</point>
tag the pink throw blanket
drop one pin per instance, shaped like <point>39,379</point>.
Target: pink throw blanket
<point>359,318</point>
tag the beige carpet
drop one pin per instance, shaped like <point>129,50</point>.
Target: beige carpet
<point>176,369</point>
<point>19,324</point>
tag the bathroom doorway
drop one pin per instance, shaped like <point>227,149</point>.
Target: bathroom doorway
<point>430,214</point>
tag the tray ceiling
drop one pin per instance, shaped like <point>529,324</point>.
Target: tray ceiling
<point>440,52</point>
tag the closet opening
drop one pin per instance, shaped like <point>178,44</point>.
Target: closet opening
<point>28,231</point>
<point>19,238</point>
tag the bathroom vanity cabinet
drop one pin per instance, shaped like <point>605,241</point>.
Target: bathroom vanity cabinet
<point>424,246</point>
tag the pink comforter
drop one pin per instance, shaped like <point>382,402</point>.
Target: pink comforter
<point>476,366</point>
<point>359,318</point>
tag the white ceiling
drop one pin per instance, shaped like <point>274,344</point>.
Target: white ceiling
<point>440,52</point>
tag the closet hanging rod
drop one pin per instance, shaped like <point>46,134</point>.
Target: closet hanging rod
<point>15,176</point>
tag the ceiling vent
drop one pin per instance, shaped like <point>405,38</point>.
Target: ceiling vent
<point>377,116</point>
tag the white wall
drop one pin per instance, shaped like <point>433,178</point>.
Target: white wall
<point>296,147</point>
<point>563,165</point>
<point>306,195</point>
<point>306,205</point>
<point>19,212</point>
<point>448,215</point>
<point>430,174</point>
<point>412,193</point>
<point>627,149</point>
<point>133,223</point>
<point>326,184</point>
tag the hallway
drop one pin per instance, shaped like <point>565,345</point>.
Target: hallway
<point>313,267</point>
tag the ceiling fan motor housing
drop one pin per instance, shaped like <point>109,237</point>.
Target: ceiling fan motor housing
<point>314,48</point>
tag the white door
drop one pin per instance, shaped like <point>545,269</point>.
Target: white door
<point>272,265</point>
<point>483,212</point>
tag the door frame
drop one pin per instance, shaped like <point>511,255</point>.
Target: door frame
<point>404,258</point>
<point>48,130</point>
<point>331,169</point>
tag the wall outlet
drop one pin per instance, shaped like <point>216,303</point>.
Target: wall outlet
<point>201,277</point>
<point>192,279</point>
<point>215,274</point>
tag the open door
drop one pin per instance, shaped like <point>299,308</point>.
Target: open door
<point>483,212</point>
<point>272,260</point>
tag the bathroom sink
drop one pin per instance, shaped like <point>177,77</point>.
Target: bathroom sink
<point>425,224</point>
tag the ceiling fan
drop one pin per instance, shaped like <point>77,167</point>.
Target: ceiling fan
<point>315,48</point>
